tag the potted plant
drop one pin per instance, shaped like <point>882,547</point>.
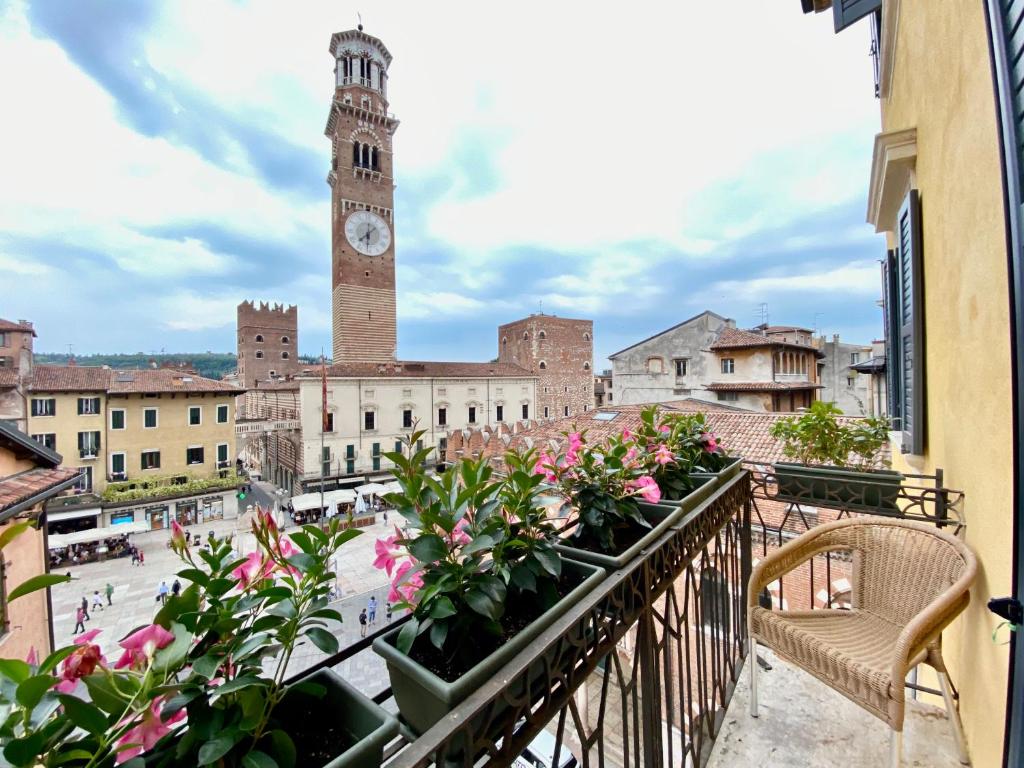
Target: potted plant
<point>477,568</point>
<point>683,454</point>
<point>607,497</point>
<point>203,684</point>
<point>837,460</point>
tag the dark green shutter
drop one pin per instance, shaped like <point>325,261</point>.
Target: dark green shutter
<point>910,294</point>
<point>892,338</point>
<point>845,12</point>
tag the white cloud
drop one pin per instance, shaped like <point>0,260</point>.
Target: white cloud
<point>190,311</point>
<point>10,264</point>
<point>857,277</point>
<point>439,305</point>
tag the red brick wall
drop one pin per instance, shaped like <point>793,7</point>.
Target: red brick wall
<point>274,324</point>
<point>566,348</point>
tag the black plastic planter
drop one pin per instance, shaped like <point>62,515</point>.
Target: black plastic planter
<point>870,490</point>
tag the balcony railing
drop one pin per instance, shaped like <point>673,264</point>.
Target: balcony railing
<point>638,673</point>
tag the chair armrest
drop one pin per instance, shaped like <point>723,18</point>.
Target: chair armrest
<point>925,627</point>
<point>790,556</point>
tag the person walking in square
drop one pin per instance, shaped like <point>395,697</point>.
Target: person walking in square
<point>85,607</point>
<point>79,620</point>
<point>97,601</point>
<point>135,556</point>
<point>142,557</point>
<point>110,593</point>
<point>176,588</point>
<point>161,594</point>
<point>362,623</point>
<point>387,612</point>
<point>371,610</point>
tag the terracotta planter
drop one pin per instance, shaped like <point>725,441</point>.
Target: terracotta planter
<point>872,490</point>
<point>365,723</point>
<point>424,698</point>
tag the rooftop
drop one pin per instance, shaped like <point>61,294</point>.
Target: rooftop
<point>736,338</point>
<point>414,369</point>
<point>75,378</point>
<point>8,378</point>
<point>760,386</point>
<point>22,326</point>
<point>34,485</point>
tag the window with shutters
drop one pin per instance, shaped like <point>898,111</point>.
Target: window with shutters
<point>117,418</point>
<point>499,412</point>
<point>375,454</point>
<point>88,444</point>
<point>904,327</point>
<point>526,410</point>
<point>846,12</point>
<point>88,406</point>
<point>407,418</point>
<point>44,406</point>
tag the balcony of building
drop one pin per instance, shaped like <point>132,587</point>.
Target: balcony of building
<point>651,669</point>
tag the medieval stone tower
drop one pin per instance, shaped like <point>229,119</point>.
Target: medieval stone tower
<point>362,201</point>
<point>268,342</point>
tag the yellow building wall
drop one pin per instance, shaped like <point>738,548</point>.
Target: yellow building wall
<point>28,620</point>
<point>942,86</point>
<point>66,424</point>
<point>173,434</point>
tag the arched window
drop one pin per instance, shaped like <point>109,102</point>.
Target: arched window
<point>355,154</point>
<point>586,337</point>
<point>259,337</point>
<point>259,354</point>
<point>526,335</point>
<point>366,155</point>
<point>285,340</point>
<point>284,355</point>
<point>655,365</point>
<point>543,366</point>
<point>586,366</point>
<point>375,158</point>
<point>542,335</point>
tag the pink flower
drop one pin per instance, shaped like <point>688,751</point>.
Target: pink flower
<point>544,466</point>
<point>82,661</point>
<point>266,517</point>
<point>710,442</point>
<point>146,732</point>
<point>630,454</point>
<point>141,645</point>
<point>649,488</point>
<point>664,429</point>
<point>626,434</point>
<point>663,455</point>
<point>387,554</point>
<point>179,539</point>
<point>404,589</point>
<point>459,536</point>
<point>575,441</point>
<point>256,568</point>
<point>571,457</point>
<point>33,657</point>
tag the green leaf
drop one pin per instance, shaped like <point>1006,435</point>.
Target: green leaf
<point>309,688</point>
<point>173,655</point>
<point>238,684</point>
<point>494,588</point>
<point>550,560</point>
<point>275,593</point>
<point>323,640</point>
<point>42,581</point>
<point>15,669</point>
<point>480,544</point>
<point>213,750</point>
<point>482,604</point>
<point>250,645</point>
<point>408,635</point>
<point>428,548</point>
<point>77,754</point>
<point>179,702</point>
<point>23,751</point>
<point>257,759</point>
<point>13,531</point>
<point>50,662</point>
<point>438,633</point>
<point>442,608</point>
<point>285,608</point>
<point>176,607</point>
<point>303,562</point>
<point>207,666</point>
<point>104,695</point>
<point>195,575</point>
<point>327,613</point>
<point>523,578</point>
<point>283,748</point>
<point>83,714</point>
<point>31,691</point>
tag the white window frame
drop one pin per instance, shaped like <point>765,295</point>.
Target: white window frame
<point>124,462</point>
<point>198,408</point>
<point>142,453</point>
<point>124,419</point>
<point>37,435</point>
<point>42,400</point>
<point>731,365</point>
<point>156,412</point>
<point>227,413</point>
<point>192,448</point>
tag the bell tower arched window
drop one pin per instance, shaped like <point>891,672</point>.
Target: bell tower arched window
<point>355,154</point>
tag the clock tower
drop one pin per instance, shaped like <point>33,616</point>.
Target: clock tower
<point>362,201</point>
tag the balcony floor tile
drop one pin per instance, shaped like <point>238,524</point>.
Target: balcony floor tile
<point>804,723</point>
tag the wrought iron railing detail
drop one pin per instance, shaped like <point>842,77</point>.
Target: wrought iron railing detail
<point>638,673</point>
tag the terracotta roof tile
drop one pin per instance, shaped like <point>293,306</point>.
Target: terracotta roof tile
<point>18,488</point>
<point>736,338</point>
<point>760,386</point>
<point>419,369</point>
<point>7,325</point>
<point>8,378</point>
<point>74,378</point>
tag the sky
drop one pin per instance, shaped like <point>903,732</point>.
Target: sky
<point>633,163</point>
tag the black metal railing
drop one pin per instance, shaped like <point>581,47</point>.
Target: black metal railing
<point>638,673</point>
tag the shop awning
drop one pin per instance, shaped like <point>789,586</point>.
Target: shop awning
<point>61,540</point>
<point>72,514</point>
<point>370,489</point>
<point>393,487</point>
<point>312,500</point>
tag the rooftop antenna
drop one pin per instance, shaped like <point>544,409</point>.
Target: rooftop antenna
<point>360,17</point>
<point>762,309</point>
<point>71,350</point>
<point>816,316</point>
<point>540,304</point>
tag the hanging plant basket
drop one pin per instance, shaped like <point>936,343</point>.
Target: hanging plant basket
<point>424,697</point>
<point>869,490</point>
<point>343,722</point>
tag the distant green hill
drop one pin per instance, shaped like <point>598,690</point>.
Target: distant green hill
<point>213,365</point>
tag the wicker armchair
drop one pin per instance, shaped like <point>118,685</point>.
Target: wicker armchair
<point>910,581</point>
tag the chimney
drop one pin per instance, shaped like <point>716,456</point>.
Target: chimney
<point>835,338</point>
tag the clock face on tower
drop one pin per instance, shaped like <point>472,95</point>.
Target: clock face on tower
<point>368,233</point>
